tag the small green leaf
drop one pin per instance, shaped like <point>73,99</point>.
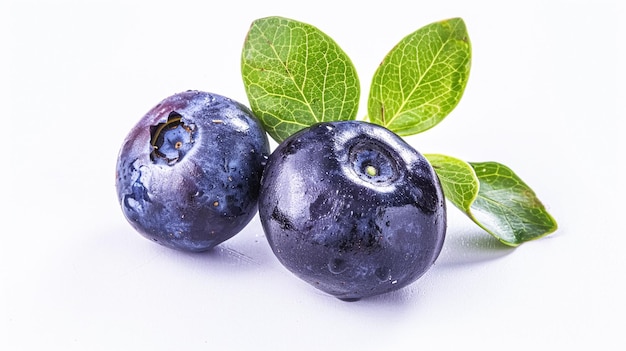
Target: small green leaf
<point>295,76</point>
<point>507,206</point>
<point>422,79</point>
<point>458,179</point>
<point>495,198</point>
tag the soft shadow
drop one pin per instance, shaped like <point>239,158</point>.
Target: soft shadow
<point>463,247</point>
<point>241,254</point>
<point>229,254</point>
<point>401,297</point>
<point>245,252</point>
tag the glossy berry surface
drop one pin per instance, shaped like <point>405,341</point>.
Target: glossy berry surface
<point>352,209</point>
<point>188,173</point>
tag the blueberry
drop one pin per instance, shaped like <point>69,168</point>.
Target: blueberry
<point>188,173</point>
<point>352,209</point>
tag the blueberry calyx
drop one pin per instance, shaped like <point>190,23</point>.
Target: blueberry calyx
<point>372,162</point>
<point>171,140</point>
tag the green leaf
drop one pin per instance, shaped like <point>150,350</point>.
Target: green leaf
<point>295,75</point>
<point>507,206</point>
<point>458,179</point>
<point>495,198</point>
<point>422,79</point>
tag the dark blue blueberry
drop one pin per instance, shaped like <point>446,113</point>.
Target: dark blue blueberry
<point>352,209</point>
<point>188,173</point>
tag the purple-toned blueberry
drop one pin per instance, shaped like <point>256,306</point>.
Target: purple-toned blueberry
<point>352,209</point>
<point>188,173</point>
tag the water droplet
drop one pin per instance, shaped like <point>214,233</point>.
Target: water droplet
<point>383,273</point>
<point>337,265</point>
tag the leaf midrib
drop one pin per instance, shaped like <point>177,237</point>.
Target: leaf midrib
<point>419,82</point>
<point>499,205</point>
<point>291,76</point>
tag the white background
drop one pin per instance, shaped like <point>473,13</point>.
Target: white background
<point>542,98</point>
